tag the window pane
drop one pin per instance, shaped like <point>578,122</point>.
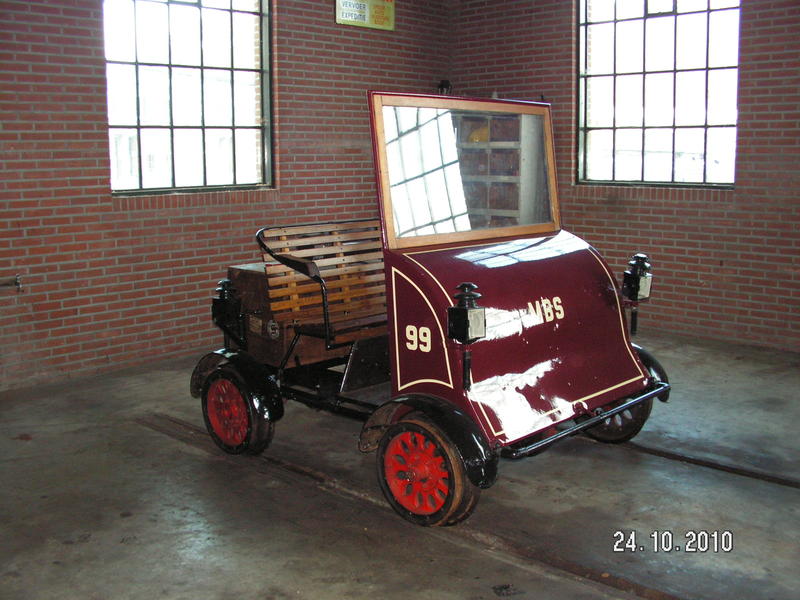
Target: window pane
<point>724,3</point>
<point>188,157</point>
<point>152,35</point>
<point>658,155</point>
<point>689,155</point>
<point>628,155</point>
<point>156,158</point>
<point>251,5</point>
<point>691,51</point>
<point>124,159</point>
<point>217,97</point>
<point>120,41</point>
<point>598,154</point>
<point>248,156</point>
<point>186,96</point>
<point>246,51</point>
<point>630,45</point>
<point>600,10</point>
<point>721,156</point>
<point>217,3</point>
<point>658,98</point>
<point>600,102</point>
<point>246,98</point>
<point>722,86</point>
<point>655,7</point>
<point>629,9</point>
<point>121,88</point>
<point>185,34</point>
<point>219,156</point>
<point>690,98</point>
<point>692,5</point>
<point>723,49</point>
<point>154,95</point>
<point>216,38</point>
<point>629,101</point>
<point>601,49</point>
<point>660,51</point>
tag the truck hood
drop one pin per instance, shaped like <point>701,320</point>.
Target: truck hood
<point>556,341</point>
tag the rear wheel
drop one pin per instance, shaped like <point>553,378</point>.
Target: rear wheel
<point>422,474</point>
<point>235,417</point>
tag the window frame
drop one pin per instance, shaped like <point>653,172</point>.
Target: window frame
<point>582,127</point>
<point>264,106</point>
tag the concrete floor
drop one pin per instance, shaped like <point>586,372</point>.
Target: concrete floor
<point>112,489</point>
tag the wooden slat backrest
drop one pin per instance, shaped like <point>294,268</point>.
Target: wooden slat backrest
<point>349,257</point>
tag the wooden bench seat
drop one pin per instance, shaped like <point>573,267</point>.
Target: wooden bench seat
<point>327,279</point>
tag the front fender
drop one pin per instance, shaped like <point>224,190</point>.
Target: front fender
<point>654,367</point>
<point>480,461</point>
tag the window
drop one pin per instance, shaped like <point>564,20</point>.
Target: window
<point>657,85</point>
<point>188,93</point>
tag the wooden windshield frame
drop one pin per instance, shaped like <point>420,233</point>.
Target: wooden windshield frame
<point>378,100</point>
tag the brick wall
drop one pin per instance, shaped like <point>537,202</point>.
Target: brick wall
<point>110,281</point>
<point>727,262</point>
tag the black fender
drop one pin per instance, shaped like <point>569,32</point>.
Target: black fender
<point>654,368</point>
<point>258,377</point>
<point>480,461</point>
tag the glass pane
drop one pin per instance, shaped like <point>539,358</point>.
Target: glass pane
<point>156,158</point>
<point>497,160</point>
<point>216,38</point>
<point>217,97</point>
<point>629,101</point>
<point>690,98</point>
<point>582,50</point>
<point>186,97</point>
<point>628,155</point>
<point>185,34</point>
<point>655,7</point>
<point>600,102</point>
<point>246,98</point>
<point>248,156</point>
<point>219,156</point>
<point>722,97</point>
<point>630,46</point>
<point>599,161</point>
<point>658,98</point>
<point>246,49</point>
<point>629,9</point>
<point>121,94</point>
<point>119,35</point>
<point>691,51</point>
<point>724,3</point>
<point>600,49</point>
<point>660,51</point>
<point>721,159</point>
<point>600,10</point>
<point>154,95</point>
<point>188,157</point>
<point>124,159</point>
<point>251,5</point>
<point>692,5</point>
<point>723,45</point>
<point>152,35</point>
<point>217,3</point>
<point>689,155</point>
<point>658,155</point>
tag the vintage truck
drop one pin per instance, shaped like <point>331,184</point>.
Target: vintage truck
<point>462,326</point>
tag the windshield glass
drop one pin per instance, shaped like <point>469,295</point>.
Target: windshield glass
<point>454,169</point>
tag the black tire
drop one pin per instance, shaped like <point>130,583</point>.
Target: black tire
<point>235,417</point>
<point>422,474</point>
<point>626,425</point>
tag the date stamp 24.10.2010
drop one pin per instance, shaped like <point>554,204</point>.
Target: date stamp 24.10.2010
<point>691,540</point>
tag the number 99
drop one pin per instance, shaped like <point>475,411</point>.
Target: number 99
<point>418,339</point>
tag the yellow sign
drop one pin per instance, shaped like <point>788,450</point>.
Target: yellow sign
<point>375,14</point>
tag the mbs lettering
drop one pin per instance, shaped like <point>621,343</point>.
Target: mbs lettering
<point>546,310</point>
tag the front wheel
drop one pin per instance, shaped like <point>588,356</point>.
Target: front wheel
<point>422,474</point>
<point>235,416</point>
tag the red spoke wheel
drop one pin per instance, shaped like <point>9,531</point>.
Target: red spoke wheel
<point>422,474</point>
<point>234,416</point>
